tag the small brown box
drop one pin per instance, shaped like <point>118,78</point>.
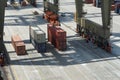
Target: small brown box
<point>18,45</point>
<point>20,48</point>
<point>61,44</point>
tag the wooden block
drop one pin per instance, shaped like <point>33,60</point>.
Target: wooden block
<point>18,45</point>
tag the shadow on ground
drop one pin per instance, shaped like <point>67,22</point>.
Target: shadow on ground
<point>78,52</point>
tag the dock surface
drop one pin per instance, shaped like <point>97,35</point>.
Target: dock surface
<point>81,60</point>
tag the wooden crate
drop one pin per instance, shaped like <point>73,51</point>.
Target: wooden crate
<point>40,36</point>
<point>61,44</point>
<point>60,33</point>
<point>18,45</point>
<point>48,31</point>
<point>20,48</point>
<point>53,17</point>
<point>51,34</point>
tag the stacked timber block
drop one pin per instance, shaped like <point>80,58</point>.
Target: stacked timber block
<point>55,23</point>
<point>57,37</point>
<point>47,15</point>
<point>18,45</point>
<point>51,33</point>
<point>38,38</point>
<point>60,35</point>
<point>51,17</point>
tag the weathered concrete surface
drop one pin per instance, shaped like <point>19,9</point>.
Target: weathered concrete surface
<point>81,61</point>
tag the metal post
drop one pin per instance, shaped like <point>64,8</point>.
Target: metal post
<point>2,13</point>
<point>106,12</point>
<point>79,14</point>
<point>79,8</point>
<point>106,21</point>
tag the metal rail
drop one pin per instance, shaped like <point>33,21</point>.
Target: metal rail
<point>2,13</point>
